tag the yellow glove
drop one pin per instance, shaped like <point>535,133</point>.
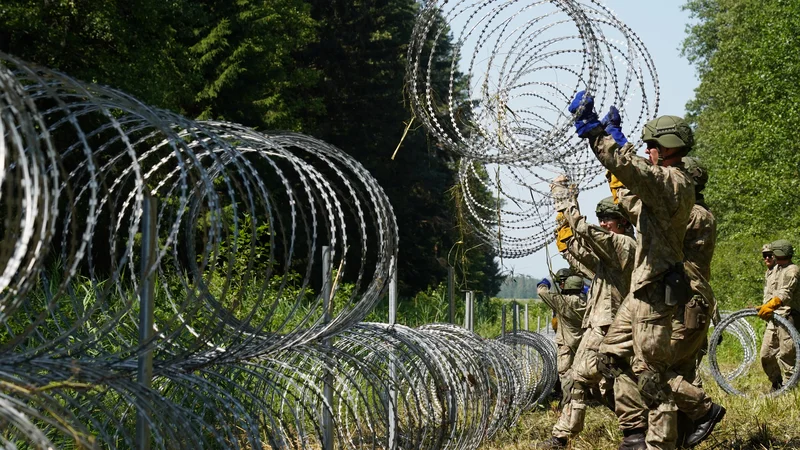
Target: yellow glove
<point>614,184</point>
<point>560,220</point>
<point>562,236</point>
<point>554,323</point>
<point>765,311</point>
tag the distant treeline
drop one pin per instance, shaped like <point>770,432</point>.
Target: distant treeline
<point>519,286</point>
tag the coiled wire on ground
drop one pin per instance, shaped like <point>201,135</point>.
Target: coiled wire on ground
<point>243,352</point>
<point>742,331</point>
<point>723,379</point>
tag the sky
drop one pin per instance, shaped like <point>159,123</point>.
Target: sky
<point>661,27</point>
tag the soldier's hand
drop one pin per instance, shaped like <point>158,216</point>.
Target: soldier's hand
<point>765,311</point>
<point>612,122</point>
<point>586,120</point>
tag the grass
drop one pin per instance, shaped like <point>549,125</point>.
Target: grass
<point>749,424</point>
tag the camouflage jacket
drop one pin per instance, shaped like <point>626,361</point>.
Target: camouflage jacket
<point>613,258</point>
<point>580,259</point>
<point>786,289</point>
<point>698,249</point>
<point>658,200</point>
<point>769,283</point>
<point>569,310</point>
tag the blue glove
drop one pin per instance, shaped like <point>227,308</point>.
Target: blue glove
<point>587,120</point>
<point>585,289</point>
<point>544,282</point>
<point>612,123</point>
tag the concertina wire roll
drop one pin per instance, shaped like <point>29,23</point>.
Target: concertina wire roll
<point>511,68</point>
<point>243,353</point>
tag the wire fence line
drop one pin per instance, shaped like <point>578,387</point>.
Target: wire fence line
<point>114,211</point>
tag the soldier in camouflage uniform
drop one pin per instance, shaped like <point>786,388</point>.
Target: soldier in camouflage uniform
<point>569,306</point>
<point>608,250</point>
<point>691,322</point>
<point>781,296</point>
<point>661,196</point>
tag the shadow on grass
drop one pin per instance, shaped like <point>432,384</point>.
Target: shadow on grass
<point>759,438</point>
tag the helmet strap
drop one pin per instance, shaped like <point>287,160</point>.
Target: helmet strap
<point>678,154</point>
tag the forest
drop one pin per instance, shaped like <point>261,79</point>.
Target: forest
<point>332,70</point>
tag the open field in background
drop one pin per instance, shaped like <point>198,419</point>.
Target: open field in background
<point>749,424</point>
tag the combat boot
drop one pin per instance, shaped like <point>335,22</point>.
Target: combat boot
<point>705,425</point>
<point>552,443</point>
<point>633,440</point>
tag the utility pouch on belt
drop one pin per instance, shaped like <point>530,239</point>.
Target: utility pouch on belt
<point>676,286</point>
<point>694,316</point>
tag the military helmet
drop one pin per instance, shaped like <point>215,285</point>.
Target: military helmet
<point>782,248</point>
<point>697,170</point>
<point>607,208</point>
<point>573,283</point>
<point>562,275</point>
<point>669,132</point>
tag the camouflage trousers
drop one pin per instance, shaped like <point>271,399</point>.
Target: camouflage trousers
<point>687,344</point>
<point>777,354</point>
<point>642,333</point>
<point>566,359</point>
<point>585,375</point>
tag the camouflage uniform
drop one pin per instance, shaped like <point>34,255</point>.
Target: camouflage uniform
<point>686,342</point>
<point>777,348</point>
<point>569,309</point>
<point>580,259</point>
<point>659,201</point>
<point>611,257</point>
<point>690,327</point>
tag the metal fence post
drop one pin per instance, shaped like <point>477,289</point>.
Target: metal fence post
<point>469,306</point>
<point>392,407</point>
<point>503,320</point>
<point>451,296</point>
<point>149,251</point>
<point>327,389</point>
<point>515,317</point>
<point>526,318</point>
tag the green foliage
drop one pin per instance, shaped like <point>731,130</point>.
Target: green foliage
<point>361,49</point>
<point>745,113</point>
<point>334,70</point>
<point>137,46</point>
<point>245,62</point>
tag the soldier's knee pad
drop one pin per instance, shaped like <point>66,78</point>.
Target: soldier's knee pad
<point>654,389</point>
<point>609,365</point>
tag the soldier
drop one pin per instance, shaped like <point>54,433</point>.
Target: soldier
<point>690,326</point>
<point>781,296</point>
<point>768,361</point>
<point>661,195</point>
<point>608,250</point>
<point>569,306</point>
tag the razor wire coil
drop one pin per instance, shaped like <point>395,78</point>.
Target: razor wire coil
<point>511,68</point>
<point>724,381</point>
<point>243,351</point>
